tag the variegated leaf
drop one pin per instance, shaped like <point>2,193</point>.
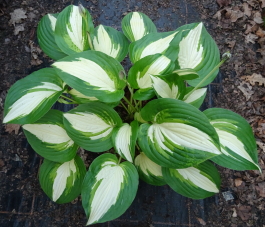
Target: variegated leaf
<point>111,42</point>
<point>196,97</point>
<point>196,182</point>
<point>168,86</point>
<point>31,97</point>
<point>165,43</point>
<point>238,145</point>
<point>91,126</point>
<point>149,171</point>
<point>136,25</point>
<point>108,188</point>
<point>93,74</point>
<point>80,98</point>
<point>186,74</point>
<point>49,139</point>
<point>139,74</point>
<point>46,39</point>
<point>198,51</point>
<point>173,140</point>
<point>73,28</point>
<point>62,181</point>
<point>124,140</point>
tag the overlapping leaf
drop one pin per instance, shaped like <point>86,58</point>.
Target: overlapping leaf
<point>196,182</point>
<point>149,171</point>
<point>173,140</point>
<point>31,97</point>
<point>165,43</point>
<point>195,97</point>
<point>80,98</point>
<point>108,188</point>
<point>124,139</point>
<point>46,37</point>
<point>238,145</point>
<point>93,74</point>
<point>91,126</point>
<point>73,28</point>
<point>139,74</point>
<point>62,181</point>
<point>198,51</point>
<point>49,139</point>
<point>136,25</point>
<point>168,86</point>
<point>111,42</point>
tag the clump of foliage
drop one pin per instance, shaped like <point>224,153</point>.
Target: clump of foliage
<point>167,140</point>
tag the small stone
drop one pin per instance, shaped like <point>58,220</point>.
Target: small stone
<point>228,195</point>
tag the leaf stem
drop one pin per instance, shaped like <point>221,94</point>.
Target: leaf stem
<point>129,103</point>
<point>119,160</point>
<point>65,97</point>
<point>124,107</point>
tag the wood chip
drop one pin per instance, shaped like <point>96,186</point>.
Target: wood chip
<point>244,212</point>
<point>261,189</point>
<point>201,221</point>
<point>238,182</point>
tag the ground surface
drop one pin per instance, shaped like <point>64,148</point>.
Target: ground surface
<point>235,25</point>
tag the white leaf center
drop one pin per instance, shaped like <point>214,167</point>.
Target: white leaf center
<point>198,179</point>
<point>159,46</point>
<point>190,49</point>
<point>107,193</point>
<point>102,42</point>
<point>181,135</point>
<point>74,28</point>
<point>63,172</point>
<point>137,26</point>
<point>49,133</point>
<point>89,72</point>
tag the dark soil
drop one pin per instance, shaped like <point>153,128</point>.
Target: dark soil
<point>235,25</point>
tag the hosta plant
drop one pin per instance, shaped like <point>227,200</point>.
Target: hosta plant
<point>145,122</point>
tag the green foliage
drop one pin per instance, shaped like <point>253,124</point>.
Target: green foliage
<point>167,140</point>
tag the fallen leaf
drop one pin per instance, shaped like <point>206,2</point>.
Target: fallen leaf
<point>260,32</point>
<point>222,3</point>
<point>262,3</point>
<point>31,16</point>
<point>246,90</point>
<point>218,15</point>
<point>234,215</point>
<point>251,38</point>
<point>247,9</point>
<point>12,127</point>
<point>231,44</point>
<point>261,145</point>
<point>255,78</point>
<point>36,62</point>
<point>19,28</point>
<point>238,182</point>
<point>233,15</point>
<point>257,18</point>
<point>17,16</point>
<point>244,212</point>
<point>201,221</point>
<point>261,189</point>
<point>252,27</point>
